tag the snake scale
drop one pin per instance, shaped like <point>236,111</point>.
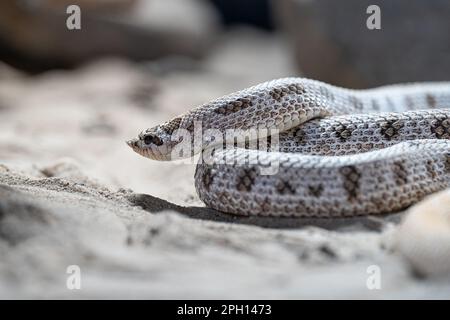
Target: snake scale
<point>340,152</point>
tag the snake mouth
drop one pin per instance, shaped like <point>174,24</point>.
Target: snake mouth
<point>132,143</point>
<point>147,152</point>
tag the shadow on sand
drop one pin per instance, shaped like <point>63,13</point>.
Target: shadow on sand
<point>156,205</point>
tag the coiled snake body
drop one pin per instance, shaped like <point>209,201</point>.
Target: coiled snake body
<point>341,152</point>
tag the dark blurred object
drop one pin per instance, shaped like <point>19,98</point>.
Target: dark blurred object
<point>333,44</point>
<point>97,6</point>
<point>34,36</point>
<point>251,12</point>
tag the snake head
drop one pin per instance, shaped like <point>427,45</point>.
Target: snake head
<point>154,143</point>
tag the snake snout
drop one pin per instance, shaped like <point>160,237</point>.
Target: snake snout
<point>132,143</point>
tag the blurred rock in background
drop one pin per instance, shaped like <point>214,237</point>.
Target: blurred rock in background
<point>333,44</point>
<point>34,36</point>
<point>97,6</point>
<point>330,39</point>
<point>251,12</point>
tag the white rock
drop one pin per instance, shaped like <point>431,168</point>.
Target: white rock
<point>423,238</point>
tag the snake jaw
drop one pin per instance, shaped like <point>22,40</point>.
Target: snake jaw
<point>132,143</point>
<point>156,148</point>
<point>150,152</point>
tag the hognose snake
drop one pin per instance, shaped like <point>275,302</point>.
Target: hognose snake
<point>342,152</point>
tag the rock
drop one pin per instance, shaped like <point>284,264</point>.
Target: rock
<point>34,36</point>
<point>254,12</point>
<point>423,238</point>
<point>333,44</point>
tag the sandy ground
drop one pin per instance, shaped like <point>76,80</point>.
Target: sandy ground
<point>73,193</point>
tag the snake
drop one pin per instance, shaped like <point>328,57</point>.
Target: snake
<point>320,150</point>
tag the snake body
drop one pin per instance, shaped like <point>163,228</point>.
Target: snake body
<point>341,152</point>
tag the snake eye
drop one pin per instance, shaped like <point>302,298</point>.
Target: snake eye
<point>149,139</point>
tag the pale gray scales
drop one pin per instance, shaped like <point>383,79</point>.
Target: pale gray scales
<point>342,152</point>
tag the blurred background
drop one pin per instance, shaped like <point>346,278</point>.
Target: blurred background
<point>327,39</point>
